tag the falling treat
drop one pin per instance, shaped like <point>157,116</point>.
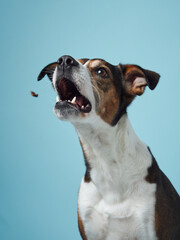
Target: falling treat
<point>34,94</point>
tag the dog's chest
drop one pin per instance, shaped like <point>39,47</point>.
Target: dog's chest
<point>130,219</point>
<point>118,203</point>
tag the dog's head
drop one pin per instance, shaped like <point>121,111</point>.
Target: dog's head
<point>94,88</point>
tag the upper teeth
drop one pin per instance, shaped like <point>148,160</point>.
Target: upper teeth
<point>73,100</point>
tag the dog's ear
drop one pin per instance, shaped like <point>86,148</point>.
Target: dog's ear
<point>137,78</point>
<point>83,60</point>
<point>49,70</point>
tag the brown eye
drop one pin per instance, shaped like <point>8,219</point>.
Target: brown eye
<point>102,72</point>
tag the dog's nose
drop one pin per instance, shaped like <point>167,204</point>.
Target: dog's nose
<point>67,61</point>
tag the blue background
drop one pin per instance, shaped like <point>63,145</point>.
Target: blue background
<point>41,162</point>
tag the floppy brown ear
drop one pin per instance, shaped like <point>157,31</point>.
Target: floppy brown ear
<point>48,70</point>
<point>137,78</point>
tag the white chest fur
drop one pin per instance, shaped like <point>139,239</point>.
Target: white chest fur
<point>130,219</point>
<point>118,203</point>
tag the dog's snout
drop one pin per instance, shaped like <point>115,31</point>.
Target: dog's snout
<point>67,61</point>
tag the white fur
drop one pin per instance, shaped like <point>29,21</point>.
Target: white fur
<point>94,63</point>
<point>140,81</point>
<point>118,203</point>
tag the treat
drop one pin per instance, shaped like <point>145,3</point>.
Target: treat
<point>34,94</point>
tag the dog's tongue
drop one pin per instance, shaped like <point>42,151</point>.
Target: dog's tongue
<point>82,104</point>
<point>80,100</point>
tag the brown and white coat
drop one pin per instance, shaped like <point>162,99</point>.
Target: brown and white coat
<point>124,194</point>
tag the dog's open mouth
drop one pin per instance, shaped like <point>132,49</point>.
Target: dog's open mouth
<point>69,94</point>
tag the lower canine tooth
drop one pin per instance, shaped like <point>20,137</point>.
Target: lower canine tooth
<point>73,100</point>
<point>82,107</point>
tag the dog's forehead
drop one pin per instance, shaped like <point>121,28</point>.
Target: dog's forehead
<point>92,65</point>
<point>96,62</point>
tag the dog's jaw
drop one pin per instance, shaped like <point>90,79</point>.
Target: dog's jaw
<point>81,103</point>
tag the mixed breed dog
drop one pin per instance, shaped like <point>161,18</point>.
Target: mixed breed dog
<point>124,194</point>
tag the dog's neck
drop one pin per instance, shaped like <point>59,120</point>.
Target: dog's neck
<point>117,157</point>
<point>102,140</point>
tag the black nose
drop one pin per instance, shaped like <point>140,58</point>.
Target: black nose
<point>67,61</point>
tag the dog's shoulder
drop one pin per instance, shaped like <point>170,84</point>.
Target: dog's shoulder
<point>167,207</point>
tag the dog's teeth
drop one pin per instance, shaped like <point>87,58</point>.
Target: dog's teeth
<point>87,105</point>
<point>57,99</point>
<point>82,107</point>
<point>73,100</point>
<point>69,101</point>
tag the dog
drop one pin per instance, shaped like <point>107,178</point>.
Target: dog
<point>123,194</point>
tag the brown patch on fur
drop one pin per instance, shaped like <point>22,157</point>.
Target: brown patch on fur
<point>104,86</point>
<point>81,227</point>
<point>167,208</point>
<point>83,60</point>
<point>108,105</point>
<point>129,68</point>
<point>130,74</point>
<point>108,98</point>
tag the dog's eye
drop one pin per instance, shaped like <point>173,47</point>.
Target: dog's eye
<point>102,72</point>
